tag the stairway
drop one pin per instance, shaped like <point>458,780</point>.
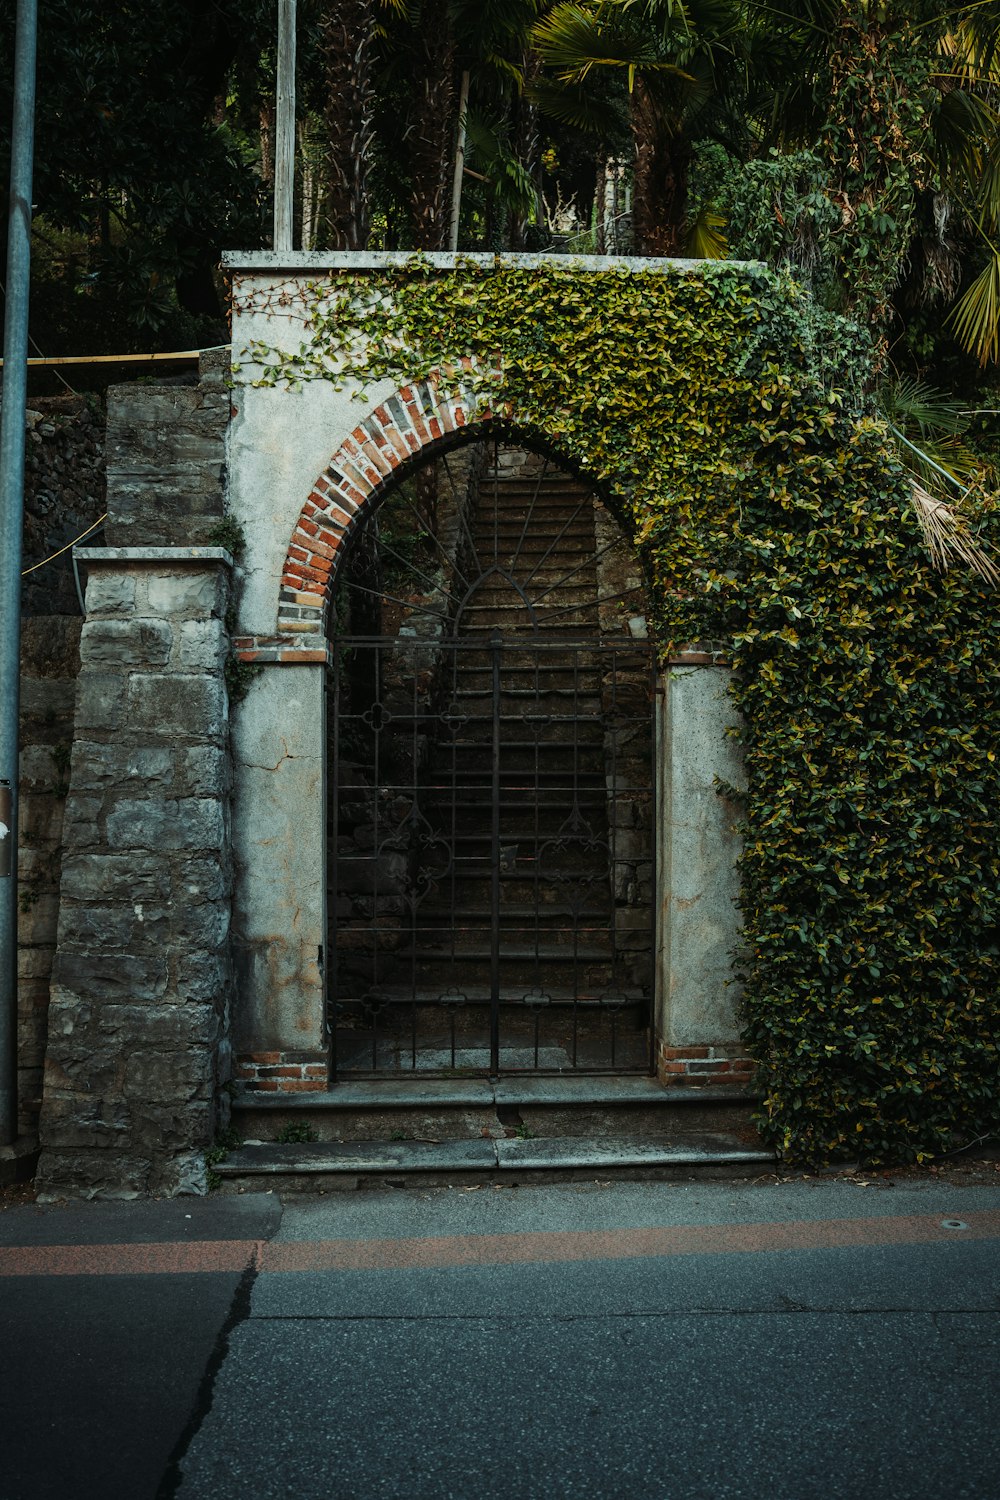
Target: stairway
<point>532,898</point>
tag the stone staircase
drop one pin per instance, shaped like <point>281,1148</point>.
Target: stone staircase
<point>417,1131</point>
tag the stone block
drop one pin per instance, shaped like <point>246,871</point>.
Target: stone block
<point>168,1077</point>
<point>110,593</point>
<point>148,768</point>
<point>125,877</point>
<point>204,771</point>
<point>79,824</point>
<point>38,919</point>
<point>163,1027</point>
<point>203,644</point>
<point>50,647</point>
<point>47,706</point>
<point>185,1174</point>
<point>205,877</point>
<point>203,979</point>
<point>33,963</point>
<point>164,706</point>
<point>185,593</point>
<point>175,823</point>
<point>40,819</point>
<point>126,643</point>
<point>165,1130</point>
<point>107,977</point>
<point>69,1173</point>
<point>203,927</point>
<point>116,927</point>
<point>100,701</point>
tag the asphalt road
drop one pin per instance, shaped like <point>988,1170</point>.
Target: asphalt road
<point>630,1340</point>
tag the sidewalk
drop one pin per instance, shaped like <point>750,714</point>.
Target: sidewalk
<point>796,1338</point>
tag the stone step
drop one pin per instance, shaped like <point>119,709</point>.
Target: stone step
<point>317,1167</point>
<point>414,1110</point>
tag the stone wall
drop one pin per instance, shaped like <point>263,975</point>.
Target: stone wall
<point>166,459</point>
<point>138,1052</point>
<point>64,494</point>
<point>138,1016</point>
<point>50,662</point>
<point>63,497</point>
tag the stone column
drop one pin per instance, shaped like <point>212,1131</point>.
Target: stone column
<point>138,1020</point>
<point>698,1025</point>
<point>279,841</point>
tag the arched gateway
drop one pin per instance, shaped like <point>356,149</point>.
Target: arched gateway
<point>366,781</point>
<point>476,825</point>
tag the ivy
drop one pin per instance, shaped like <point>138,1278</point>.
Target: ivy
<point>774,523</point>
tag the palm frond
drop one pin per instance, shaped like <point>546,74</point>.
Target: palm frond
<point>576,105</point>
<point>572,41</point>
<point>921,409</point>
<point>976,316</point>
<point>947,536</point>
<point>706,240</point>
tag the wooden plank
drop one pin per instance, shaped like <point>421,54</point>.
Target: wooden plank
<point>183,356</point>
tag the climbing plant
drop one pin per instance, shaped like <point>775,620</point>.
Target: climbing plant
<point>777,530</point>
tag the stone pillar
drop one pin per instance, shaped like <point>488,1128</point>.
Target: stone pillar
<point>138,1018</point>
<point>279,843</point>
<point>698,1027</point>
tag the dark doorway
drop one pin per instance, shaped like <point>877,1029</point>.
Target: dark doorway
<point>491,774</point>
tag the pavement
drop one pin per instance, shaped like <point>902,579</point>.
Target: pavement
<point>776,1339</point>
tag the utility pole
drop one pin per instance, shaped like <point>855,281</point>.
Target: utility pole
<point>284,134</point>
<point>15,387</point>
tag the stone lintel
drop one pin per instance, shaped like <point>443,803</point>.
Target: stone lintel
<point>152,556</point>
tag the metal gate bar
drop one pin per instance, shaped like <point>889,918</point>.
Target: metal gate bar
<point>492,855</point>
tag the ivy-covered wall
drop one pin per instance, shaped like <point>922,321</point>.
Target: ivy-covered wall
<point>718,413</point>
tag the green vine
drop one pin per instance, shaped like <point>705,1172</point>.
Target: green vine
<point>775,523</point>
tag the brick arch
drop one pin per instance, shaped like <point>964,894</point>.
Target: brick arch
<point>420,417</point>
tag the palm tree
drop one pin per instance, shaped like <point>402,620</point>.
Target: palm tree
<point>346,29</point>
<point>683,65</point>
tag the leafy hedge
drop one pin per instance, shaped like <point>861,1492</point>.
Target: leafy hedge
<point>776,526</point>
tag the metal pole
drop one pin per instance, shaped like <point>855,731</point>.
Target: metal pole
<point>496,647</point>
<point>15,383</point>
<point>284,135</point>
<point>456,183</point>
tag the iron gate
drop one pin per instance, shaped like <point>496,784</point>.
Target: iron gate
<point>491,901</point>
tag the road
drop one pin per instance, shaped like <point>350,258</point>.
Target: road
<point>772,1340</point>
